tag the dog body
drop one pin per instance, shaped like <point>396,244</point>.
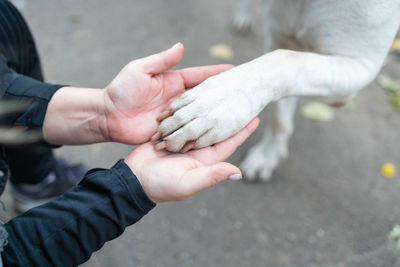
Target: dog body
<point>325,48</point>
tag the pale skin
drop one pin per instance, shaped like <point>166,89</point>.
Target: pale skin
<point>167,176</point>
<point>126,111</point>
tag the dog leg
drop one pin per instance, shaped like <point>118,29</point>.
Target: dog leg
<point>266,155</point>
<point>225,103</point>
<point>243,16</point>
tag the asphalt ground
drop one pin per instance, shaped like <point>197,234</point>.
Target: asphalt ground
<point>327,205</point>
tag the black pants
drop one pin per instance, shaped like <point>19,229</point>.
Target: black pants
<point>29,164</point>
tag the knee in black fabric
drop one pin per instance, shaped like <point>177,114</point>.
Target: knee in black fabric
<point>30,165</point>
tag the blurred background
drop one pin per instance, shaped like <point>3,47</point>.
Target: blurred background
<point>327,205</point>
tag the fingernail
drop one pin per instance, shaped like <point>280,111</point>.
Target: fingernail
<point>160,145</point>
<point>175,45</point>
<point>155,137</point>
<point>235,177</point>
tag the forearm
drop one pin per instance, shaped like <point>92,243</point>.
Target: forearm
<point>75,116</point>
<point>66,231</point>
<point>66,115</point>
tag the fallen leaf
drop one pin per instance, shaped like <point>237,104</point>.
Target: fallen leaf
<point>388,170</point>
<point>389,84</point>
<point>395,100</point>
<point>221,51</point>
<point>395,45</point>
<point>393,88</point>
<point>317,111</point>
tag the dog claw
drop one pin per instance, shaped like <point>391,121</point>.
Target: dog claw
<point>164,115</point>
<point>187,147</point>
<point>161,145</point>
<point>155,137</point>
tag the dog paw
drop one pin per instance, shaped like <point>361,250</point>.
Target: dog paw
<point>241,22</point>
<point>264,158</point>
<point>212,111</point>
<point>200,124</point>
<point>207,114</point>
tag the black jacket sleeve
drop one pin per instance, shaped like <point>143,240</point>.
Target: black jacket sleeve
<point>18,60</point>
<point>7,75</point>
<point>66,231</point>
<point>16,87</point>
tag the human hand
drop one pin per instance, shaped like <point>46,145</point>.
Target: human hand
<point>143,89</point>
<point>166,176</point>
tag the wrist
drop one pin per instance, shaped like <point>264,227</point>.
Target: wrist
<point>134,185</point>
<point>75,116</point>
<point>136,167</point>
<point>268,75</point>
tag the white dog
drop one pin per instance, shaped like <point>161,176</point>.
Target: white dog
<point>327,48</point>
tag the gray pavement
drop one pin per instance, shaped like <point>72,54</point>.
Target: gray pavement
<point>327,205</point>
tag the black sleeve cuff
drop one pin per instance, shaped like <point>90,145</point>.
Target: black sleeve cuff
<point>128,178</point>
<point>39,93</point>
<point>131,184</point>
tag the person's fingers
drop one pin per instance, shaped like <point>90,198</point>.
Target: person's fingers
<point>224,149</point>
<point>204,177</point>
<point>162,61</point>
<point>195,75</point>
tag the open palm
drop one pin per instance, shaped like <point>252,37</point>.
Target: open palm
<point>167,176</point>
<point>143,89</point>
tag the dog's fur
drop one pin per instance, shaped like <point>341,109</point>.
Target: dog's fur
<point>327,48</point>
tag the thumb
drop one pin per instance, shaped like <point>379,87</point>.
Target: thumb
<point>208,176</point>
<point>162,61</point>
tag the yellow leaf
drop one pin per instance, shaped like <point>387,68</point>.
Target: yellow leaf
<point>395,45</point>
<point>221,51</point>
<point>317,111</point>
<point>395,100</point>
<point>389,84</point>
<point>388,170</point>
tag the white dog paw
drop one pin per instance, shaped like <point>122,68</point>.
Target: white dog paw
<point>207,114</point>
<point>264,158</point>
<point>242,22</point>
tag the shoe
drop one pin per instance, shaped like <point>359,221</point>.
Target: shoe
<point>63,177</point>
